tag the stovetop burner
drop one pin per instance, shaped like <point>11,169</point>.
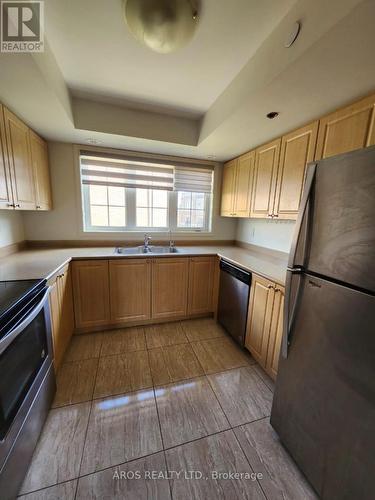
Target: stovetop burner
<point>15,293</point>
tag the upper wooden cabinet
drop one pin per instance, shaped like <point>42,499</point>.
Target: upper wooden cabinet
<point>347,129</point>
<point>39,156</point>
<point>169,287</point>
<point>24,170</point>
<point>264,183</point>
<point>236,189</point>
<point>130,289</point>
<point>91,293</point>
<point>243,185</point>
<point>297,149</point>
<point>201,282</point>
<point>6,196</point>
<point>272,185</point>
<point>228,188</point>
<point>21,169</point>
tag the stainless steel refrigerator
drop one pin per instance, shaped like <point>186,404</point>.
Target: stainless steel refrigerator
<point>324,402</point>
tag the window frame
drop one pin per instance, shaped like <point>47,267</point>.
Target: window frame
<point>131,216</point>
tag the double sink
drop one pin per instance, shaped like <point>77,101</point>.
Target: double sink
<point>150,249</point>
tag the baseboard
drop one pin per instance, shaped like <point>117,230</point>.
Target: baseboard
<point>13,248</point>
<point>148,322</point>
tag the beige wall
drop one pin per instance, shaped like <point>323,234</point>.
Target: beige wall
<point>64,221</point>
<point>266,233</point>
<point>11,228</point>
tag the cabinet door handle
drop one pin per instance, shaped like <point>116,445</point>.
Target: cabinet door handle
<point>10,205</point>
<point>270,286</point>
<point>17,205</point>
<point>275,215</point>
<point>37,207</point>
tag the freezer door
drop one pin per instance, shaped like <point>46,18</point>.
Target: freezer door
<point>324,402</point>
<point>336,236</point>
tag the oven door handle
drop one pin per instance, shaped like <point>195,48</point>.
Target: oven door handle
<point>8,339</point>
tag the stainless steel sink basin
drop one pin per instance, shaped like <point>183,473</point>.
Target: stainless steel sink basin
<point>152,249</point>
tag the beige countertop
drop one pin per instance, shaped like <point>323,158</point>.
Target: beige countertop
<point>42,263</point>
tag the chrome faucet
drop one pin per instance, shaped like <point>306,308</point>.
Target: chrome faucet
<point>171,242</point>
<point>146,242</point>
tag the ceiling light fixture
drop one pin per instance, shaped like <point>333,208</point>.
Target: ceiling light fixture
<point>272,115</point>
<point>162,25</point>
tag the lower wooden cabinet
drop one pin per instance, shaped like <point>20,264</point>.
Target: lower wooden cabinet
<point>139,290</point>
<point>276,332</point>
<point>264,326</point>
<point>62,313</point>
<point>201,280</point>
<point>130,289</point>
<point>169,287</point>
<point>91,293</point>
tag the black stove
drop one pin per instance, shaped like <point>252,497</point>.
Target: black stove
<point>14,296</point>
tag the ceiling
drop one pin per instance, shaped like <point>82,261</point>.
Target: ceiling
<point>94,81</point>
<point>98,56</point>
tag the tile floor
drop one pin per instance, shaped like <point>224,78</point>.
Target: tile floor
<point>161,412</point>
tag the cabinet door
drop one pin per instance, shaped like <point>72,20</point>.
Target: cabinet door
<point>130,289</point>
<point>228,188</point>
<point>169,287</point>
<point>201,279</point>
<point>6,197</point>
<point>91,293</point>
<point>244,176</point>
<point>259,318</point>
<point>54,305</point>
<point>39,155</point>
<point>350,128</point>
<point>297,149</point>
<point>264,184</point>
<point>276,333</point>
<point>21,169</point>
<point>65,290</point>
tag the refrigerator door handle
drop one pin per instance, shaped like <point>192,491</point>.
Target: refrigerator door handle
<point>289,311</point>
<point>310,175</point>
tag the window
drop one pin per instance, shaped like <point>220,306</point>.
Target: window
<point>190,209</point>
<point>132,194</point>
<point>152,208</point>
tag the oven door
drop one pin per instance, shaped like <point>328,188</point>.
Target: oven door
<point>25,357</point>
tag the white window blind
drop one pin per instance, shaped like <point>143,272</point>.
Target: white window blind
<point>123,172</point>
<point>193,179</point>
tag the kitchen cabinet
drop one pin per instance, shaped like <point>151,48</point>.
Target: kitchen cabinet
<point>20,164</point>
<point>228,188</point>
<point>265,176</point>
<point>297,149</point>
<point>243,185</point>
<point>276,332</point>
<point>130,289</point>
<point>6,196</point>
<point>62,315</point>
<point>201,282</point>
<point>347,129</point>
<point>237,182</point>
<point>264,324</point>
<point>169,287</point>
<point>91,293</point>
<point>39,156</point>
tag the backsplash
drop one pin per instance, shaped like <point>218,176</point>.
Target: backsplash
<point>276,235</point>
<point>11,228</point>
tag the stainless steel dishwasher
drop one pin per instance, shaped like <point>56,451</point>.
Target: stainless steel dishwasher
<point>234,300</point>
